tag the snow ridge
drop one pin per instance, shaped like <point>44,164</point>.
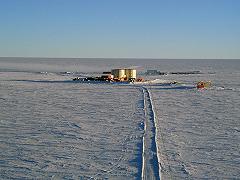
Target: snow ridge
<point>143,139</point>
<point>150,156</point>
<point>156,134</point>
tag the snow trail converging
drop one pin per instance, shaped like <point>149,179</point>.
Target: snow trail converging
<point>150,162</point>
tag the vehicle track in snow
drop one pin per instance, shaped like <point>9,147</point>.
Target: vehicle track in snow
<point>150,159</point>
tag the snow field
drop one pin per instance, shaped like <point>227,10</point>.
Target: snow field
<point>59,130</point>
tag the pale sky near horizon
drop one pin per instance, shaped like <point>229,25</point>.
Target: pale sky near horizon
<point>120,28</point>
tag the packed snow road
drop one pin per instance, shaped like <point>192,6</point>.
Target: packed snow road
<point>150,166</point>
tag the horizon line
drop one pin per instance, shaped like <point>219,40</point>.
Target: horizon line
<point>44,57</point>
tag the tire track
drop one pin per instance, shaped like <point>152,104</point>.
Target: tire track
<point>150,162</point>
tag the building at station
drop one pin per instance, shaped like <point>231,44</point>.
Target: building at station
<point>124,74</point>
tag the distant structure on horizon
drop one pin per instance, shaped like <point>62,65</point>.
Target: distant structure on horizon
<point>125,74</point>
<point>115,75</point>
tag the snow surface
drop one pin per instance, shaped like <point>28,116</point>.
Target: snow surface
<point>53,128</point>
<point>68,130</point>
<point>198,137</point>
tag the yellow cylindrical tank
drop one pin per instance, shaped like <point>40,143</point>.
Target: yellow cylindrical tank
<point>131,73</point>
<point>118,73</point>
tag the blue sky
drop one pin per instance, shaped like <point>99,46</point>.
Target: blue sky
<point>120,28</point>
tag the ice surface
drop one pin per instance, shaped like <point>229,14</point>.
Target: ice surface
<point>69,130</point>
<point>51,127</point>
<point>199,138</point>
